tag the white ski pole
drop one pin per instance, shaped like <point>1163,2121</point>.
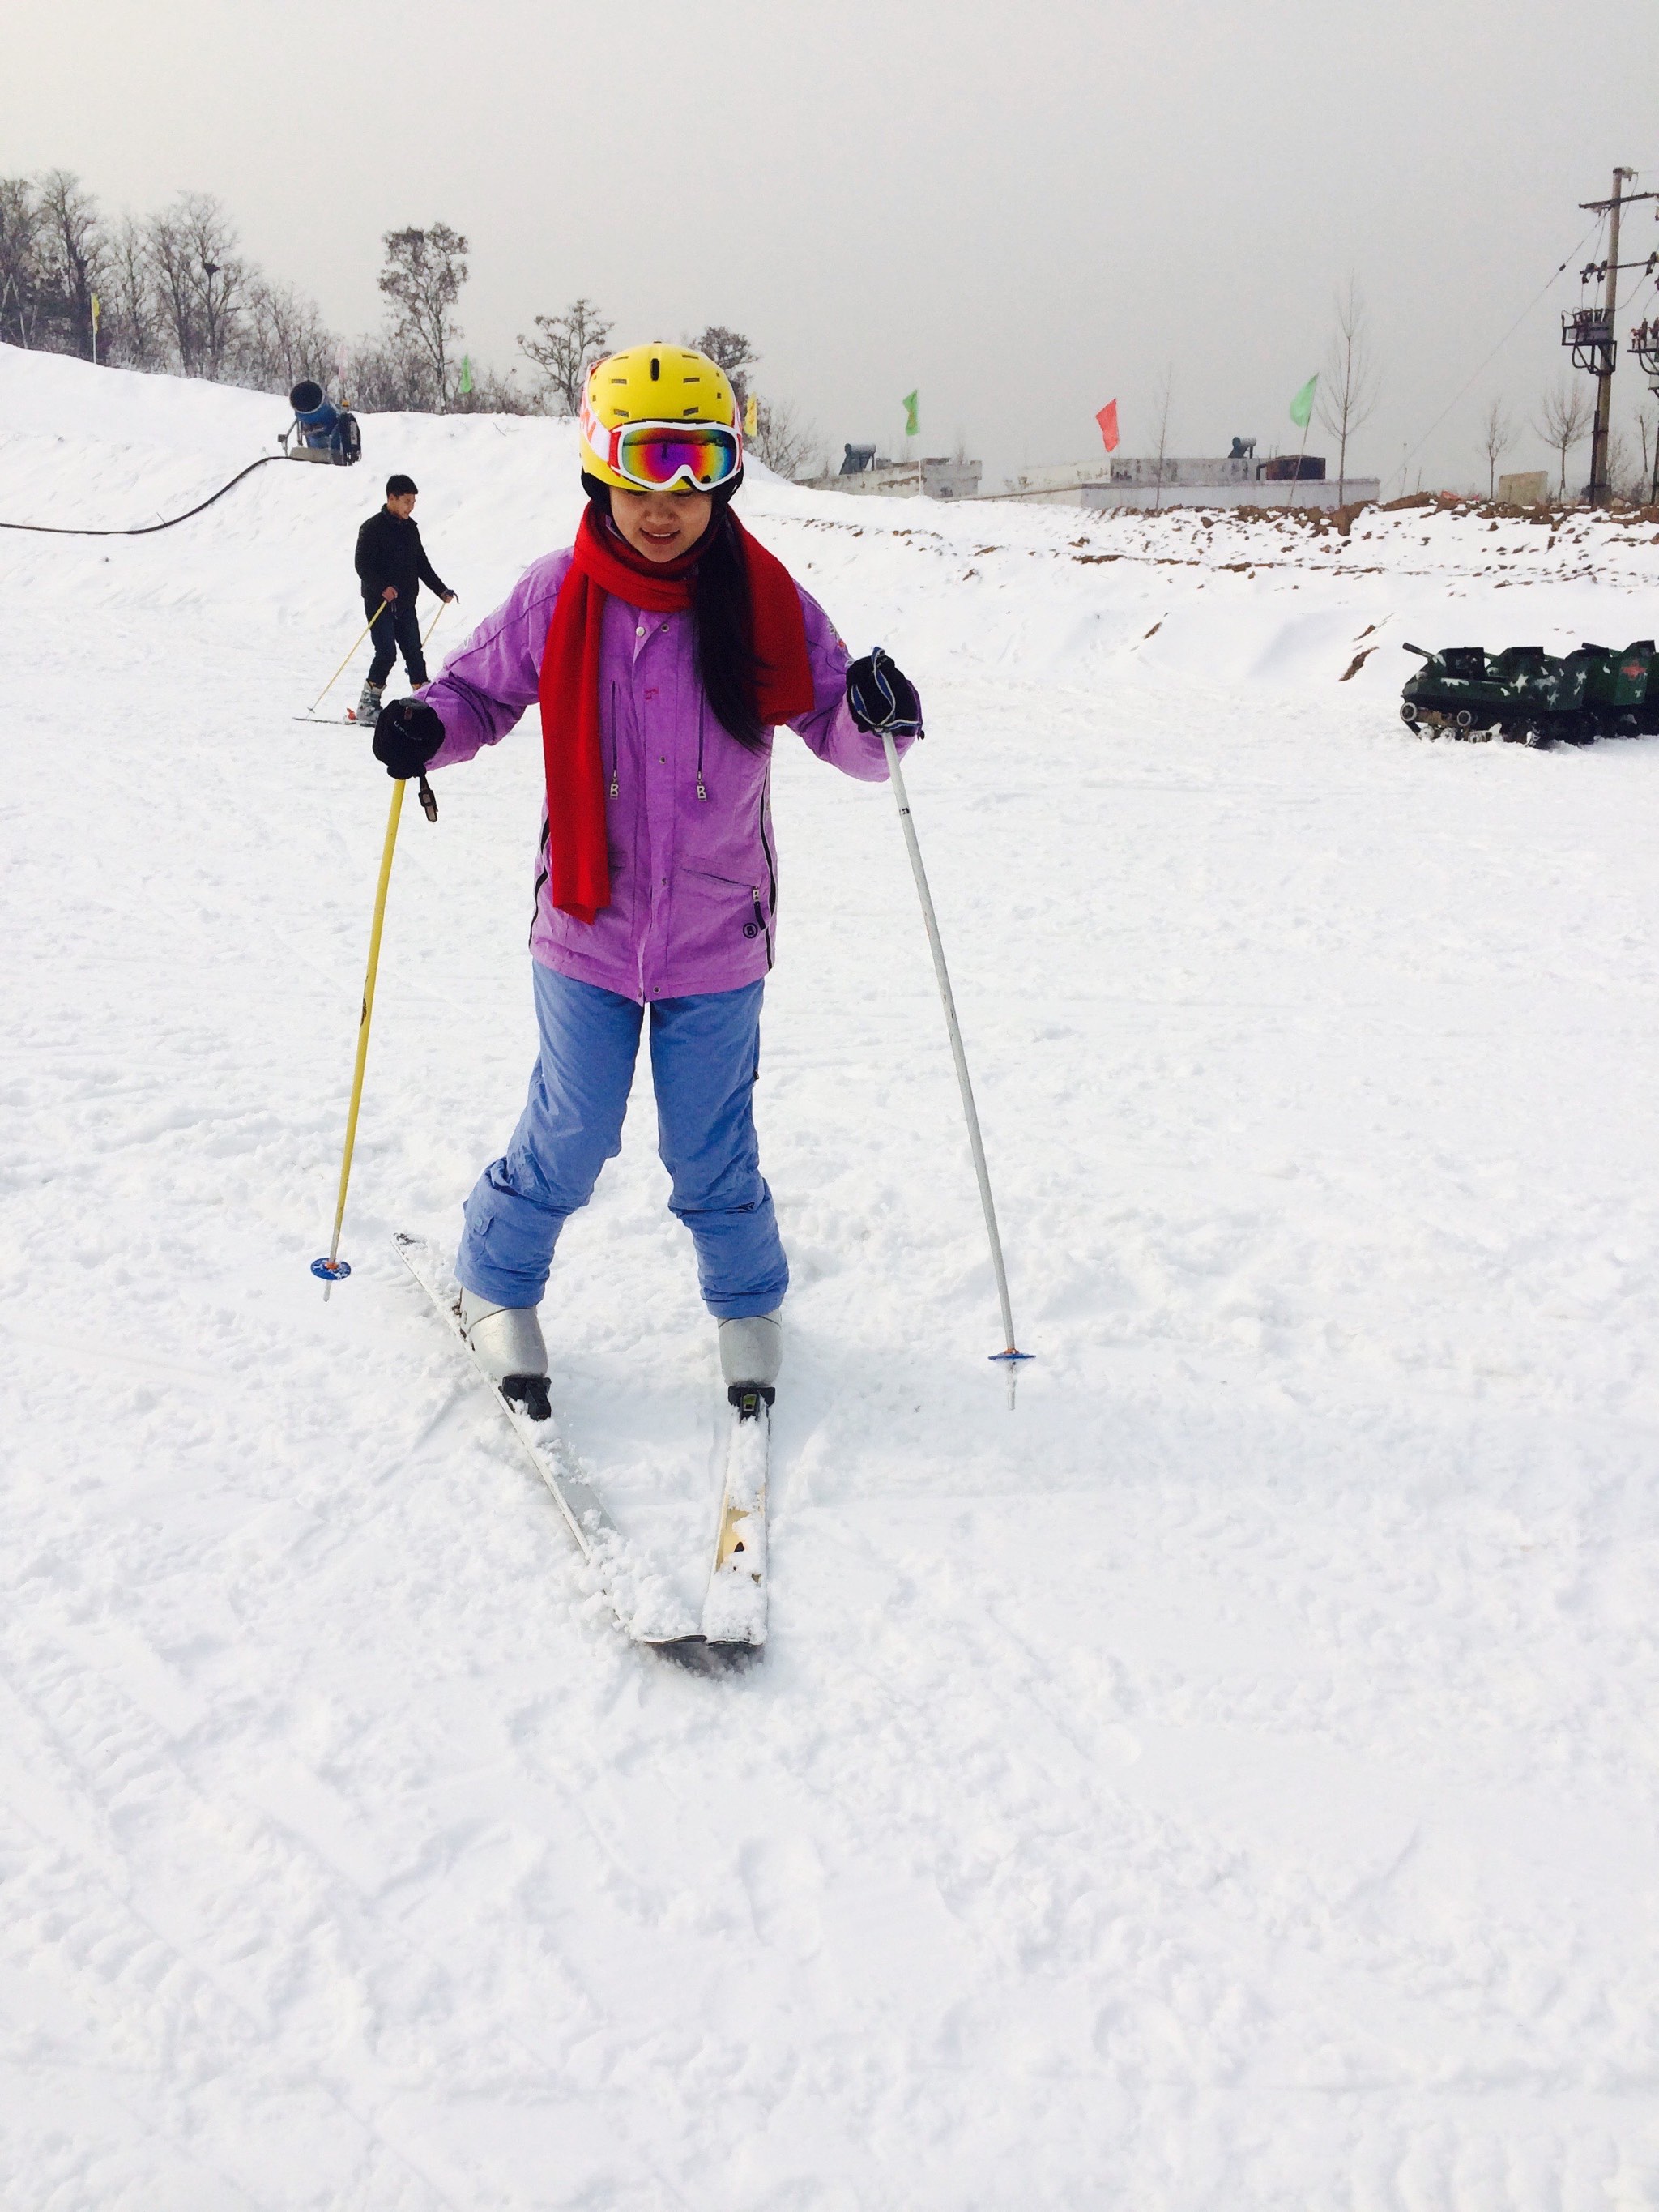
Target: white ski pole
<point>1009,1353</point>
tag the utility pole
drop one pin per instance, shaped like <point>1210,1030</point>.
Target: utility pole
<point>1590,331</point>
<point>1601,490</point>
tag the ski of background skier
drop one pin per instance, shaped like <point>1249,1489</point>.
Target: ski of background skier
<point>647,1608</point>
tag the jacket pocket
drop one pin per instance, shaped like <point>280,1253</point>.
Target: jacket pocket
<point>738,909</point>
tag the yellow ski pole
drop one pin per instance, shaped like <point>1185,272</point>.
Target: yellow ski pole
<point>333,1268</point>
<point>346,663</point>
<point>433,625</point>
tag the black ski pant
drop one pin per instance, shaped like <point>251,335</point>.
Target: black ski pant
<point>397,628</point>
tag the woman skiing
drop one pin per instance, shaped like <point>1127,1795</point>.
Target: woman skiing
<point>663,647</point>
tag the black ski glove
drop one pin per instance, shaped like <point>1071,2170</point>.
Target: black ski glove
<point>406,735</point>
<point>881,696</point>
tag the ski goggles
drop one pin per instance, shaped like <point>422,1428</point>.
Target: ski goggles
<point>662,456</point>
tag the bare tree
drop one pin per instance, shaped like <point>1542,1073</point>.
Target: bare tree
<point>422,278</point>
<point>285,338</point>
<point>731,352</point>
<point>217,278</point>
<point>1497,436</point>
<point>1563,419</point>
<point>495,394</point>
<point>168,244</point>
<point>386,376</point>
<point>1621,465</point>
<point>71,249</point>
<point>1162,396</point>
<point>1349,387</point>
<point>133,324</point>
<point>566,349</point>
<point>20,261</point>
<point>782,441</point>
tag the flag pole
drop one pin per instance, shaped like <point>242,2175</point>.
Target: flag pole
<point>1307,421</point>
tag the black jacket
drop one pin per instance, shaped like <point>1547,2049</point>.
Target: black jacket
<point>390,552</point>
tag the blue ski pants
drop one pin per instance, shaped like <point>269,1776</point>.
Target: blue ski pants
<point>705,1055</point>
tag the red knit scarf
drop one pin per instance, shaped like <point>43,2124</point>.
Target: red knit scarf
<point>603,562</point>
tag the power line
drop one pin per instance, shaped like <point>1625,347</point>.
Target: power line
<point>1480,371</point>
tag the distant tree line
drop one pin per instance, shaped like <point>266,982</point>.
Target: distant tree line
<point>173,290</point>
<point>176,294</point>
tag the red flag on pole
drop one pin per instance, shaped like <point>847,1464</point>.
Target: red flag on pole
<point>1106,419</point>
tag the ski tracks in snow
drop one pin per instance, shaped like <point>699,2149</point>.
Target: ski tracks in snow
<point>1228,1783</point>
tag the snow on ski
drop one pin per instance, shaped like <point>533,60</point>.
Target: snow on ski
<point>648,1608</point>
<point>734,1609</point>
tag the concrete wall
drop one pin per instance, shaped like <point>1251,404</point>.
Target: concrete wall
<point>936,478</point>
<point>1309,492</point>
<point>1127,468</point>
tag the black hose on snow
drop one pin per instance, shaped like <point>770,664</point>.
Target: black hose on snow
<point>144,529</point>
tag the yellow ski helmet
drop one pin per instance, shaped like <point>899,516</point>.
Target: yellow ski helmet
<point>660,418</point>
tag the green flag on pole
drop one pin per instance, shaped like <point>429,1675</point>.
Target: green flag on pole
<point>466,373</point>
<point>1302,406</point>
<point>911,422</point>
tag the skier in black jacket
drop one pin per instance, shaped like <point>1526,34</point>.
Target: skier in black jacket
<point>392,564</point>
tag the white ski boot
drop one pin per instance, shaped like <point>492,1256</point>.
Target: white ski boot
<point>751,1352</point>
<point>368,705</point>
<point>507,1343</point>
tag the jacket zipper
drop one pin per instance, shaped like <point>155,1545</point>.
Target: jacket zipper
<point>701,703</point>
<point>771,877</point>
<point>542,875</point>
<point>614,787</point>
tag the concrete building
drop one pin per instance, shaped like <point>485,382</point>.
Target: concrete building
<point>865,472</point>
<point>1236,479</point>
<point>1527,488</point>
<point>1287,491</point>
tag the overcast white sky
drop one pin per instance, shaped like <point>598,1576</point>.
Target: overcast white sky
<point>1023,210</point>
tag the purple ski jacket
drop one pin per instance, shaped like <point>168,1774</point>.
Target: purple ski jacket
<point>694,873</point>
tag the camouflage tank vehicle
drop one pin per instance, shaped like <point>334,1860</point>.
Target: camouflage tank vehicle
<point>1530,697</point>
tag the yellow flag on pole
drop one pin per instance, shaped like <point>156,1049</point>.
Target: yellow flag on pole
<point>750,416</point>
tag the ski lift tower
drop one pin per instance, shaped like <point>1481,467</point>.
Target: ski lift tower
<point>1589,330</point>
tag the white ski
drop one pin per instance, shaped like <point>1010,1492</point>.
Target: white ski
<point>647,1606</point>
<point>734,1609</point>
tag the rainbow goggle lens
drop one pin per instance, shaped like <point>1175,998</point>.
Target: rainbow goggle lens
<point>664,456</point>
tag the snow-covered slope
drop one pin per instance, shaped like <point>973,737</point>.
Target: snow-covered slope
<point>1228,1781</point>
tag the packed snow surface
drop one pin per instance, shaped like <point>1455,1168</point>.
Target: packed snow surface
<point>1226,1783</point>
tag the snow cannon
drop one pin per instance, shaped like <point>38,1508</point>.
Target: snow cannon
<point>320,431</point>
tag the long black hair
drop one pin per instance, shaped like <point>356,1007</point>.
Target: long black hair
<point>723,626</point>
<point>722,618</point>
